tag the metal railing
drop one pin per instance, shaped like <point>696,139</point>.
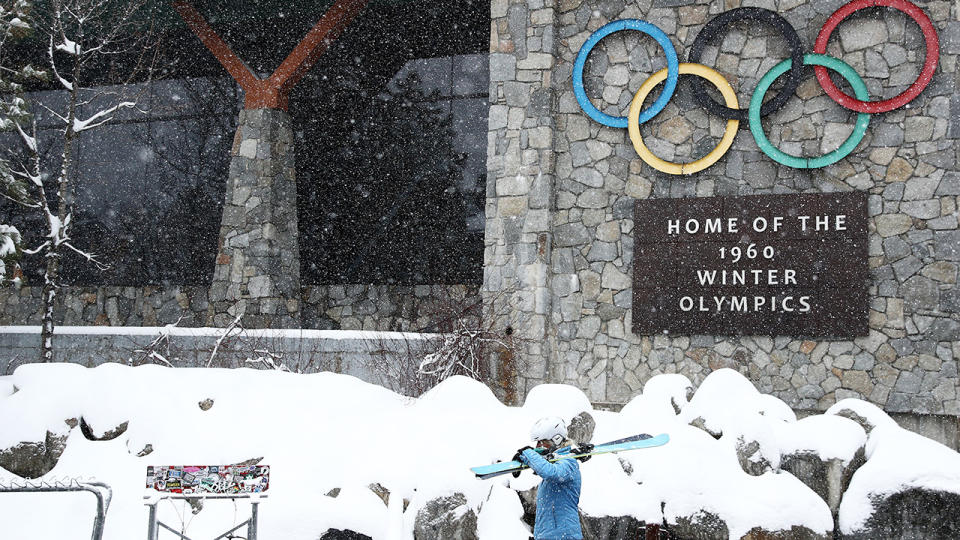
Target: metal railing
<point>154,524</point>
<point>101,491</point>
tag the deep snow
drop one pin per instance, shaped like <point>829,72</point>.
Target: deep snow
<point>325,431</point>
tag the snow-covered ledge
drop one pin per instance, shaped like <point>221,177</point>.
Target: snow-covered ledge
<point>386,358</point>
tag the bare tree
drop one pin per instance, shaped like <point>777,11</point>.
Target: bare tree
<point>81,38</point>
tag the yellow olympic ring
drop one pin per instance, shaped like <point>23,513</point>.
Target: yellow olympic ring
<point>633,124</point>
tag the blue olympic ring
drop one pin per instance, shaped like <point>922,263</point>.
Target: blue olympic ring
<point>673,71</point>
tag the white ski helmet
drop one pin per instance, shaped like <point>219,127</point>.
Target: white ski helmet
<point>551,428</point>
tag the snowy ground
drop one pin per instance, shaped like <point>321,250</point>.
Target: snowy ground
<point>325,431</point>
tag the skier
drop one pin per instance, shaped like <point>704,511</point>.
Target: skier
<point>559,492</point>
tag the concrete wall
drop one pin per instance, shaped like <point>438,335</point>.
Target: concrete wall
<point>386,358</point>
<point>561,189</point>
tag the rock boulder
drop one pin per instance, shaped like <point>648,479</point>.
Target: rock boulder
<point>611,527</point>
<point>827,478</point>
<point>701,526</point>
<point>446,517</point>
<point>918,514</point>
<point>34,459</point>
<point>345,534</point>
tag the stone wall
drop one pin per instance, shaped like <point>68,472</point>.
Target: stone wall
<point>257,271</point>
<point>561,189</point>
<point>331,307</point>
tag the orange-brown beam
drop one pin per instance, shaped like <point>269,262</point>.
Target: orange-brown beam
<point>234,65</point>
<point>272,93</point>
<point>316,42</point>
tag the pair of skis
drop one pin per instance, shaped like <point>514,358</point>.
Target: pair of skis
<point>635,442</point>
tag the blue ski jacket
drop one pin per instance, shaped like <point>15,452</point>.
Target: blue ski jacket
<point>557,497</point>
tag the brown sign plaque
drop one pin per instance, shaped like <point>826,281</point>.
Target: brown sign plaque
<point>793,265</point>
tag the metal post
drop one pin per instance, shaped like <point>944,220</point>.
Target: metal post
<point>99,520</point>
<point>96,488</point>
<point>252,526</point>
<point>152,530</point>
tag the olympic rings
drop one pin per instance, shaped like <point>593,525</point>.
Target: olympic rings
<point>757,108</point>
<point>604,31</point>
<point>926,74</point>
<point>720,24</point>
<point>859,88</point>
<point>633,126</point>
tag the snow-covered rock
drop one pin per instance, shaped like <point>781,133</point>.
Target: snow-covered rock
<point>663,397</point>
<point>30,459</point>
<point>560,400</point>
<point>909,486</point>
<point>95,433</point>
<point>338,534</point>
<point>581,428</point>
<point>700,525</point>
<point>823,452</point>
<point>864,413</point>
<point>501,516</point>
<point>729,407</point>
<point>611,527</point>
<point>446,517</point>
<point>701,485</point>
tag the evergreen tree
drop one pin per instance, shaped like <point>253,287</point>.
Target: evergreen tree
<point>15,23</point>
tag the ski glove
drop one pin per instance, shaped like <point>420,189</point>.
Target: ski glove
<point>583,448</point>
<point>518,457</point>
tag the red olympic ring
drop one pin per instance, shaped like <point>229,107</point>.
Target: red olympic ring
<point>926,74</point>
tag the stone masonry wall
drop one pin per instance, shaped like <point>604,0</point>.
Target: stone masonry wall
<point>330,307</point>
<point>520,176</point>
<point>561,188</point>
<point>257,271</point>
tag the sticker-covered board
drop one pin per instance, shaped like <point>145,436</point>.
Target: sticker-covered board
<point>209,479</point>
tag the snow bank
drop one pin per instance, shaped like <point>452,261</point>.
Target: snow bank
<point>501,516</point>
<point>324,431</point>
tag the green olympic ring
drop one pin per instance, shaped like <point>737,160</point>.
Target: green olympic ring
<point>859,130</point>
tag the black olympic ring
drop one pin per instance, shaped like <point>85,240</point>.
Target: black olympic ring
<point>720,24</point>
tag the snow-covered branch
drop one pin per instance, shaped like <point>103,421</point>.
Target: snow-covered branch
<point>53,112</point>
<point>228,332</point>
<point>90,257</point>
<point>270,360</point>
<point>37,249</point>
<point>20,202</point>
<point>29,141</point>
<point>53,67</point>
<point>69,47</point>
<point>101,117</point>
